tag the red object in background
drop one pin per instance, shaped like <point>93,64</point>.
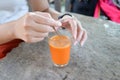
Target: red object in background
<point>109,9</point>
<point>7,47</point>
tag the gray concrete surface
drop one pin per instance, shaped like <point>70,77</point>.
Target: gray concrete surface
<point>98,59</point>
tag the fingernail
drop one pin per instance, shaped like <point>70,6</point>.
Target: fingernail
<point>57,28</point>
<point>74,36</point>
<point>82,44</point>
<point>75,42</point>
<point>59,23</point>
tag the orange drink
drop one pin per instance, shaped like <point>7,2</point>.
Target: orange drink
<point>60,50</point>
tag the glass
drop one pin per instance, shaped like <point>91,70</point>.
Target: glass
<point>60,46</point>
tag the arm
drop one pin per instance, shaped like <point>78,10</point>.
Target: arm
<point>32,27</point>
<point>43,6</point>
<point>6,32</point>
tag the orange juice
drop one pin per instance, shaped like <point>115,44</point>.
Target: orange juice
<point>60,49</point>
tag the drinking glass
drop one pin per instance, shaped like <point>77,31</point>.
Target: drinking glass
<point>59,45</point>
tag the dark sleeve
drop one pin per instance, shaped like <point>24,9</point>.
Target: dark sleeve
<point>7,47</point>
<point>72,1</point>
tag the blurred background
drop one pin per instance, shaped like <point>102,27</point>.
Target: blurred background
<point>84,7</point>
<point>58,5</point>
<point>109,11</point>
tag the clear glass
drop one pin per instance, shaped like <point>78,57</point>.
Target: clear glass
<point>60,46</point>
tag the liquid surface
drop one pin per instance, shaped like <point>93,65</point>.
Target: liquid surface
<point>59,41</point>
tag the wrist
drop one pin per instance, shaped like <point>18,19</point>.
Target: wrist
<point>12,32</point>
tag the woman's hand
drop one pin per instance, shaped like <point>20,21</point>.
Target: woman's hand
<point>34,26</point>
<point>75,27</point>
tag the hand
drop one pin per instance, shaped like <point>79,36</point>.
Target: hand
<point>34,26</point>
<point>75,27</point>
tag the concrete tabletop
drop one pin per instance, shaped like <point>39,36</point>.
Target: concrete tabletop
<point>98,59</point>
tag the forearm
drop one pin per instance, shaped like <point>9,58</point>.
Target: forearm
<point>43,6</point>
<point>53,13</point>
<point>6,32</point>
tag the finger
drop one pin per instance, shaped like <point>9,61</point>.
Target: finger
<point>84,38</point>
<point>41,28</point>
<point>37,34</point>
<point>44,13</point>
<point>65,22</point>
<point>73,26</point>
<point>45,20</point>
<point>49,16</point>
<point>79,31</point>
<point>79,36</point>
<point>33,40</point>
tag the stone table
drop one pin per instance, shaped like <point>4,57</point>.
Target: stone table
<point>98,59</point>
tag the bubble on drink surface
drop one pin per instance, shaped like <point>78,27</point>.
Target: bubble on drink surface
<point>60,41</point>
